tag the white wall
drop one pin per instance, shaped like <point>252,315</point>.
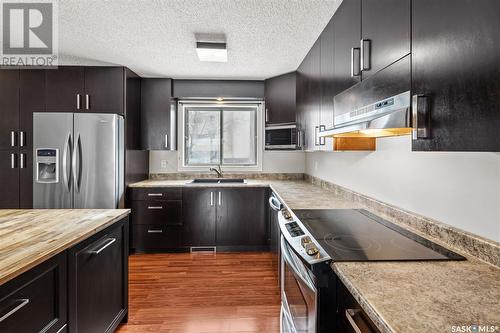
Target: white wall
<point>273,162</point>
<point>459,189</point>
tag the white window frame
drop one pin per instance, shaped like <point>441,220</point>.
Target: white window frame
<point>185,104</point>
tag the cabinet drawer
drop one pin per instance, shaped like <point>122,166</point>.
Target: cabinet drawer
<point>36,300</point>
<point>157,212</point>
<point>157,193</point>
<point>155,237</point>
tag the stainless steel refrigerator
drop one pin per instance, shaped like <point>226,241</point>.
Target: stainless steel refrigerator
<point>78,160</point>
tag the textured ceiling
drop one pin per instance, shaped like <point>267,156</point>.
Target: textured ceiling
<point>156,38</point>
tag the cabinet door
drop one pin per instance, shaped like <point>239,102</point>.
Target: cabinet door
<point>31,99</point>
<point>347,35</point>
<point>313,97</point>
<point>104,90</point>
<point>198,212</point>
<point>156,117</point>
<point>9,107</point>
<point>327,83</point>
<point>242,218</point>
<point>455,65</point>
<point>36,300</point>
<point>385,27</point>
<point>98,281</point>
<point>26,179</point>
<point>9,178</point>
<point>280,93</point>
<point>62,87</point>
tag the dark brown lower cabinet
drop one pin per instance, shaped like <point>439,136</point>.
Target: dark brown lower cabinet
<point>98,281</point>
<point>242,219</point>
<point>9,178</point>
<point>36,300</point>
<point>199,215</point>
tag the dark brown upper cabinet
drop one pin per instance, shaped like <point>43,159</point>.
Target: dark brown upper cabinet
<point>158,115</point>
<point>455,73</point>
<point>327,74</point>
<point>346,39</point>
<point>64,88</point>
<point>280,96</point>
<point>85,89</point>
<point>9,106</point>
<point>104,90</point>
<point>31,99</point>
<point>385,31</point>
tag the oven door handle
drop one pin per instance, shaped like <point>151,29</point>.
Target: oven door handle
<point>286,256</point>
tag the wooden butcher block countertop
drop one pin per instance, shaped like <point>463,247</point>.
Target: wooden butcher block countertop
<point>29,237</point>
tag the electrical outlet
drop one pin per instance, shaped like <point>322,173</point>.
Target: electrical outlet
<point>163,164</point>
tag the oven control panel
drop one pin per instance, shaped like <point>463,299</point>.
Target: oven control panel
<point>299,238</point>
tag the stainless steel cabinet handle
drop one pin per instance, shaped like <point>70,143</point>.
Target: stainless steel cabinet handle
<point>65,171</point>
<point>21,303</point>
<point>355,62</point>
<point>350,313</point>
<point>211,198</point>
<point>166,141</point>
<point>322,138</point>
<point>155,207</point>
<point>155,194</point>
<point>316,135</point>
<point>220,198</point>
<point>22,138</point>
<point>13,138</point>
<point>420,117</point>
<point>155,231</point>
<point>22,160</point>
<point>267,115</point>
<point>78,102</point>
<point>13,161</point>
<point>365,54</point>
<point>108,243</point>
<point>87,102</point>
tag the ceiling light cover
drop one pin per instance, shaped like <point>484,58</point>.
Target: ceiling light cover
<point>211,52</point>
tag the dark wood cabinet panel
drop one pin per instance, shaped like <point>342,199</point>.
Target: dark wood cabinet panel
<point>385,26</point>
<point>9,178</point>
<point>280,96</point>
<point>242,218</point>
<point>132,110</point>
<point>98,269</point>
<point>156,118</point>
<point>327,74</point>
<point>157,212</point>
<point>39,295</point>
<point>31,99</point>
<point>26,180</point>
<point>104,90</point>
<point>346,35</point>
<point>455,65</point>
<point>152,237</point>
<point>62,86</point>
<point>199,215</point>
<point>9,107</point>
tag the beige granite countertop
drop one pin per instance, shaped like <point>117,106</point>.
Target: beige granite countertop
<point>28,237</point>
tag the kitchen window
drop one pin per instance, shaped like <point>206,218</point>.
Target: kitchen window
<point>221,134</point>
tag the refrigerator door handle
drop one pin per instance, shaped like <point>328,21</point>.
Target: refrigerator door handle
<point>74,164</point>
<point>66,178</point>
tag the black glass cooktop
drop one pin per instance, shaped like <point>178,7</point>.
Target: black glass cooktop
<point>358,235</point>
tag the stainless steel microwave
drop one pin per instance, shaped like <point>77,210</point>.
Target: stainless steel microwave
<point>283,137</point>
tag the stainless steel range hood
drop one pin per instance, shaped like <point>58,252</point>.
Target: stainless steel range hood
<point>387,117</point>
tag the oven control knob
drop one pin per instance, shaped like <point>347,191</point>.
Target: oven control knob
<point>286,214</point>
<point>311,249</point>
<point>305,240</point>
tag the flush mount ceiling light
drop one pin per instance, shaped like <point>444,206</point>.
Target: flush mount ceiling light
<point>211,48</point>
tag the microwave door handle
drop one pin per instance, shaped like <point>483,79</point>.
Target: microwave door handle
<point>286,256</point>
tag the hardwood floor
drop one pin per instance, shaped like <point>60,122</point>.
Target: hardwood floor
<point>203,293</point>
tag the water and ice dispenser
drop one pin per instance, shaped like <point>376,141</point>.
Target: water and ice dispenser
<point>47,165</point>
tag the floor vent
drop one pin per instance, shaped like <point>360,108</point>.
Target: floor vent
<point>203,249</point>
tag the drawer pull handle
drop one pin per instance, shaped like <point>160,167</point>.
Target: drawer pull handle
<point>155,207</point>
<point>155,231</point>
<point>22,303</point>
<point>155,194</point>
<point>108,243</point>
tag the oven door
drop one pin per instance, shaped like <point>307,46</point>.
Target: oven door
<point>299,295</point>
